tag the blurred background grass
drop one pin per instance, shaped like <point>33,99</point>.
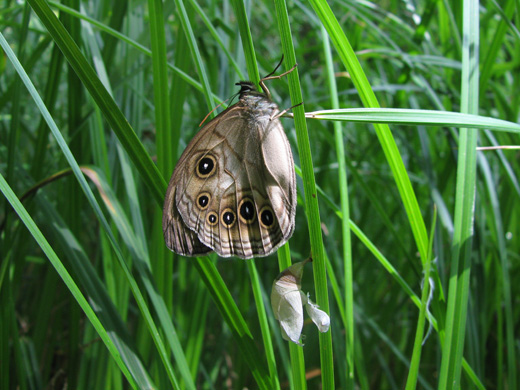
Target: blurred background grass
<point>126,85</point>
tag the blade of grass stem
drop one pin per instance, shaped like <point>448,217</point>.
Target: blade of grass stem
<point>264,326</point>
<point>96,208</point>
<point>160,87</point>
<point>228,309</point>
<point>195,54</point>
<point>216,36</point>
<point>344,201</point>
<point>64,274</point>
<point>347,55</point>
<point>507,305</point>
<point>309,185</point>
<point>111,111</point>
<point>493,48</point>
<point>413,373</point>
<point>247,40</point>
<point>404,116</point>
<point>163,265</point>
<point>458,289</point>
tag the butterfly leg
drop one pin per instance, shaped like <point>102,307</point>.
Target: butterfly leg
<point>285,111</point>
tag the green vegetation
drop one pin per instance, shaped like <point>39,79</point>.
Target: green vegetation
<point>97,101</point>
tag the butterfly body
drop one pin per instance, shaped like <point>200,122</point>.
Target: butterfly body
<point>234,187</point>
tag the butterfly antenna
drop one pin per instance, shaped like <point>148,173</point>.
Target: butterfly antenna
<point>209,113</point>
<point>271,77</point>
<point>275,69</point>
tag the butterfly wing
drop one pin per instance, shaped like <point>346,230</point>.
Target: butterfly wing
<point>177,236</point>
<point>235,188</point>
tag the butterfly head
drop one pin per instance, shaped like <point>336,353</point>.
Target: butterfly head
<point>248,88</point>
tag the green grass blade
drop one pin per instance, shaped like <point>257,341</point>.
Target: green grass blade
<point>195,53</point>
<point>228,309</point>
<point>247,40</point>
<point>160,85</point>
<point>309,185</point>
<point>343,188</point>
<point>350,61</point>
<point>64,274</point>
<point>163,265</point>
<point>413,374</point>
<point>111,111</point>
<point>403,116</point>
<point>264,326</point>
<point>506,278</point>
<point>90,197</point>
<point>216,36</point>
<point>458,289</point>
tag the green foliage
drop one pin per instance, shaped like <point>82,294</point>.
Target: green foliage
<point>98,100</point>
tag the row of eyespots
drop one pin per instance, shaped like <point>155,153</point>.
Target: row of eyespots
<point>246,208</point>
<point>206,167</point>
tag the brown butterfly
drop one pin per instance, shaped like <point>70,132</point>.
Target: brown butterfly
<point>233,190</point>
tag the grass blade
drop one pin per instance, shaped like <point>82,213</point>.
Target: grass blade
<point>309,186</point>
<point>458,290</point>
<point>345,213</point>
<point>350,61</point>
<point>64,274</point>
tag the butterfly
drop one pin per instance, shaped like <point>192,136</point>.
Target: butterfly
<point>233,190</point>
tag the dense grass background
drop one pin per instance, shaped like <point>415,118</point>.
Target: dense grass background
<point>98,99</point>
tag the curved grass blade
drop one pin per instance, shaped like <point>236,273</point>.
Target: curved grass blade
<point>115,118</point>
<point>403,116</point>
<point>347,55</point>
<point>97,210</point>
<point>65,276</point>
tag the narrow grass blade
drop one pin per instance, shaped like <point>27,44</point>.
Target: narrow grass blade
<point>65,276</point>
<point>228,309</point>
<point>96,208</point>
<point>507,305</point>
<point>264,326</point>
<point>345,228</point>
<point>403,116</point>
<point>458,290</point>
<point>413,373</point>
<point>111,111</point>
<point>195,53</point>
<point>347,55</point>
<point>309,185</point>
<point>247,40</point>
